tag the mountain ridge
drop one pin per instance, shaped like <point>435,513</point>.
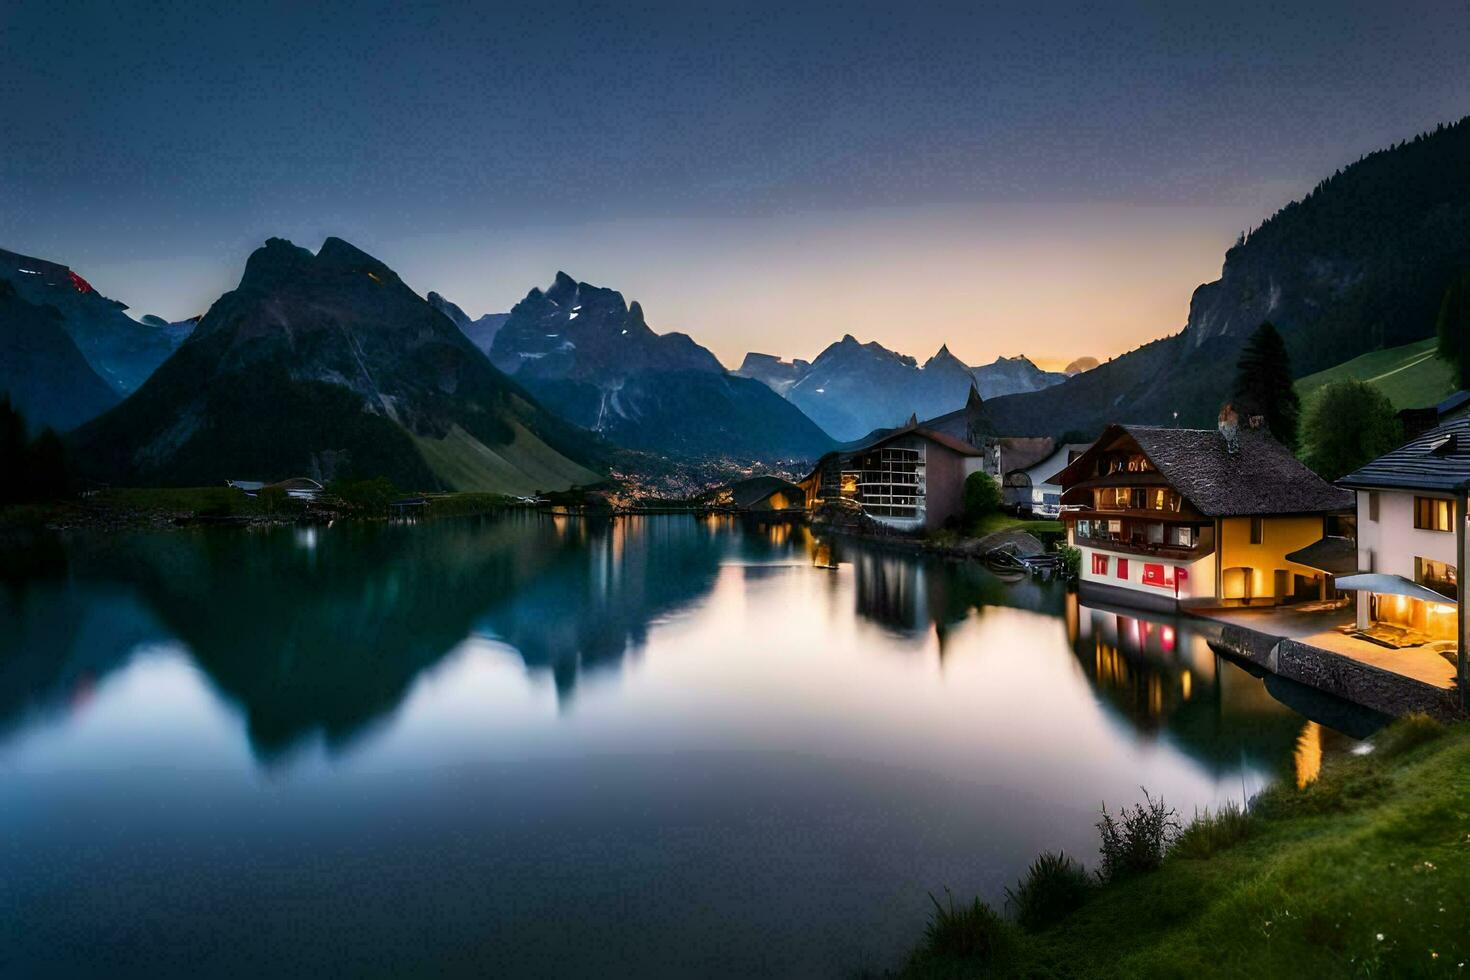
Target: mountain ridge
<point>328,364</point>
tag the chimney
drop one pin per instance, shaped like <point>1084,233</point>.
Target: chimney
<point>1229,425</point>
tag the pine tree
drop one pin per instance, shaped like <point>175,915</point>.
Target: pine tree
<point>1263,383</point>
<point>1453,327</point>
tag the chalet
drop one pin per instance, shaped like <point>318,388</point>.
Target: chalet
<point>1195,517</point>
<point>1411,542</point>
<point>908,479</point>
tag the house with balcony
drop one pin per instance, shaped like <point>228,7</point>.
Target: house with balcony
<point>1411,510</point>
<point>908,479</point>
<point>1168,518</point>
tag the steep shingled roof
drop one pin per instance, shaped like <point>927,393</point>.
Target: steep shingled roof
<point>1438,459</point>
<point>1263,477</point>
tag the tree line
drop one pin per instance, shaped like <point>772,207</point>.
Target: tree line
<point>31,469</point>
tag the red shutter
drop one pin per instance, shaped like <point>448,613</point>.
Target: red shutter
<point>1122,567</point>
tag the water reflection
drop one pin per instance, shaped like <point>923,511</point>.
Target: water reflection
<point>1160,674</point>
<point>320,633</point>
<point>779,742</point>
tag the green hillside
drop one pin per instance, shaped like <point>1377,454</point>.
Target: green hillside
<point>1411,376</point>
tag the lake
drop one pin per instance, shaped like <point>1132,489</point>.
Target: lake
<point>545,746</point>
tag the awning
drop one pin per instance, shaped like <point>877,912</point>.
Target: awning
<point>1391,585</point>
<point>1331,554</point>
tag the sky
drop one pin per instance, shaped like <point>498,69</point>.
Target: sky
<point>1048,179</point>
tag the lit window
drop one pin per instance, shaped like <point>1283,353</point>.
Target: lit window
<point>1258,530</point>
<point>1433,514</point>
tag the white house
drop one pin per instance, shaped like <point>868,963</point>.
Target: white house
<point>1411,543</point>
<point>1027,486</point>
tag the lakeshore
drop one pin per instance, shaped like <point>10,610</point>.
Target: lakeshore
<point>1360,871</point>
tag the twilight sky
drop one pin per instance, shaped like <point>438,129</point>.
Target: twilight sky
<point>763,176</point>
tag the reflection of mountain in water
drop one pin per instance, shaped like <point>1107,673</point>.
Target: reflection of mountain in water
<point>324,631</point>
<point>594,596</point>
<point>55,642</point>
<point>1161,676</point>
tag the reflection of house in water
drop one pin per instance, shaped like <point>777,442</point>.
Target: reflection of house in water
<point>909,595</point>
<point>1161,676</point>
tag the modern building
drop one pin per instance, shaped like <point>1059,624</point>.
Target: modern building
<point>908,479</point>
<point>1025,483</point>
<point>1196,517</point>
<point>1411,508</point>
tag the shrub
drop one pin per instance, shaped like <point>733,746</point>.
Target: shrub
<point>1071,562</point>
<point>1347,424</point>
<point>1136,840</point>
<point>1210,833</point>
<point>1052,888</point>
<point>982,495</point>
<point>1409,732</point>
<point>970,932</point>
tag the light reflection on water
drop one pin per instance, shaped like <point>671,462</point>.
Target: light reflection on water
<point>556,746</point>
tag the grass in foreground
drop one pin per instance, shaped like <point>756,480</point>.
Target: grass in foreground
<point>1365,872</point>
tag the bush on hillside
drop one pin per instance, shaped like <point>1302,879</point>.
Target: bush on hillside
<point>982,496</point>
<point>1137,839</point>
<point>1349,424</point>
<point>1053,887</point>
<point>969,932</point>
<point>1210,833</point>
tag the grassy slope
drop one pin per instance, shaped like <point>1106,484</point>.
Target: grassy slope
<point>526,465</point>
<point>1378,846</point>
<point>1411,376</point>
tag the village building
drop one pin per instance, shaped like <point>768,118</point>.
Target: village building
<point>1411,510</point>
<point>1167,517</point>
<point>908,479</point>
<point>1027,471</point>
<point>758,494</point>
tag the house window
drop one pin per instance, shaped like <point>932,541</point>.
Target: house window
<point>1123,568</point>
<point>1372,505</point>
<point>1115,528</point>
<point>1154,534</point>
<point>1084,529</point>
<point>1433,514</point>
<point>1437,575</point>
<point>1156,575</point>
<point>1258,530</point>
<point>1182,537</point>
<point>1099,564</point>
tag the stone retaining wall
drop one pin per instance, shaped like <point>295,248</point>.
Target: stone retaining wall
<point>1349,679</point>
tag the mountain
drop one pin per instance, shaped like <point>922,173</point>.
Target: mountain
<point>1359,264</point>
<point>177,332</point>
<point>591,357</point>
<point>41,369</point>
<point>329,365</point>
<point>774,373</point>
<point>481,332</point>
<point>852,388</point>
<point>120,349</point>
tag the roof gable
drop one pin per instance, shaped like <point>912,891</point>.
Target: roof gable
<point>1262,477</point>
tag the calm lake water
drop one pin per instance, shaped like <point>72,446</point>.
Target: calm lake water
<point>537,746</point>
